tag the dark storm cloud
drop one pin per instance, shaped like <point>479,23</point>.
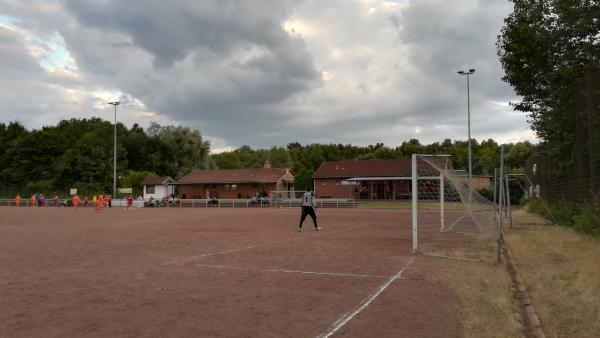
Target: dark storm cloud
<point>205,61</point>
<point>269,72</point>
<point>169,29</point>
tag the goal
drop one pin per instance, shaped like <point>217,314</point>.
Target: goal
<point>445,201</point>
<point>278,195</point>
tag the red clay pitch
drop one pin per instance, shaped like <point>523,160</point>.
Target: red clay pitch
<point>217,273</point>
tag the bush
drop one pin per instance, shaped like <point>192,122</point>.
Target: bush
<point>583,217</point>
<point>487,193</point>
<point>588,219</point>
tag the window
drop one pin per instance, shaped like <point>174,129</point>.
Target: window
<point>233,186</point>
<point>226,186</point>
<point>150,189</point>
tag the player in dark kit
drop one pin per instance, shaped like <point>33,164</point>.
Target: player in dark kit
<point>308,208</point>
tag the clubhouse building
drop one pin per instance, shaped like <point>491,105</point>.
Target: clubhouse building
<point>375,180</point>
<point>235,183</point>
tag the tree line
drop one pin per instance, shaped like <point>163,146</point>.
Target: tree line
<point>306,159</point>
<point>78,153</point>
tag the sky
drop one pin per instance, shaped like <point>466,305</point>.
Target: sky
<point>262,72</point>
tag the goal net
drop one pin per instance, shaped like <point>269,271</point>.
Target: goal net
<point>286,195</point>
<point>446,203</point>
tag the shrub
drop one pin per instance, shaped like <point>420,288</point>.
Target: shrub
<point>583,216</point>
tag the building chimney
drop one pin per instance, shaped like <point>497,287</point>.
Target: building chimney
<point>267,165</point>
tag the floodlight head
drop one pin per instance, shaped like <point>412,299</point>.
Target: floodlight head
<point>116,103</point>
<point>472,70</point>
<point>461,72</point>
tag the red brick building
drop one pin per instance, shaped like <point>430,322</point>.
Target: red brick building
<point>370,179</point>
<point>235,183</point>
<point>376,180</point>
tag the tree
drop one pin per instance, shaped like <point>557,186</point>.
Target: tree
<point>544,47</point>
<point>177,150</point>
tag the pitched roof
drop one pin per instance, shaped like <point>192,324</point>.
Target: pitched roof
<point>365,168</point>
<point>262,175</point>
<point>157,180</point>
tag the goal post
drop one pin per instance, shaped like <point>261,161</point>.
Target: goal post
<point>415,196</point>
<point>445,199</point>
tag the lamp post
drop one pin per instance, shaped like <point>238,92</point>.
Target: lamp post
<point>461,73</point>
<point>115,104</point>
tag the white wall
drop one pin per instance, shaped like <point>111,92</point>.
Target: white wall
<point>160,191</point>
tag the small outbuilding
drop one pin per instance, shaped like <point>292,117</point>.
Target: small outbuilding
<point>158,187</point>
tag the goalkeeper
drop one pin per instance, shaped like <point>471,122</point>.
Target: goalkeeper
<point>308,208</point>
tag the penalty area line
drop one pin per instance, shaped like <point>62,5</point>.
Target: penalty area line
<point>187,259</point>
<point>348,316</point>
<point>336,274</point>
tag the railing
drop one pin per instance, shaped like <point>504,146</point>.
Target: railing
<point>205,203</point>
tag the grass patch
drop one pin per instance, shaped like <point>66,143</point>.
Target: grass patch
<point>560,270</point>
<point>583,216</point>
<point>483,291</point>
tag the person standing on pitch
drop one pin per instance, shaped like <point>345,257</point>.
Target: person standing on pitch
<point>18,200</point>
<point>129,201</point>
<point>308,208</point>
<point>76,201</point>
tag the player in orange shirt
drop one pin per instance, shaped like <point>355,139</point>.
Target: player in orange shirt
<point>33,200</point>
<point>100,204</point>
<point>18,200</point>
<point>75,201</point>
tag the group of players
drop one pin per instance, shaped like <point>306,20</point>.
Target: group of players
<point>105,201</point>
<point>99,202</point>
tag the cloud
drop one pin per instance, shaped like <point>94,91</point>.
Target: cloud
<point>262,73</point>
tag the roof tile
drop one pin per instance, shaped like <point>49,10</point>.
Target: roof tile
<point>233,176</point>
<point>364,168</point>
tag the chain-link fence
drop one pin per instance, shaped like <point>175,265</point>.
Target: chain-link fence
<point>567,175</point>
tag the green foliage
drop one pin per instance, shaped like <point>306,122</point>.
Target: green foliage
<point>133,179</point>
<point>78,153</point>
<point>583,217</point>
<point>304,160</point>
<point>588,219</point>
<point>487,193</point>
<point>544,48</point>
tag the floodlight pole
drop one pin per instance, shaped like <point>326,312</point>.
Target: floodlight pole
<point>414,196</point>
<point>115,104</point>
<point>461,73</point>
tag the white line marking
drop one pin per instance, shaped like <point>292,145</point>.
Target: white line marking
<point>348,316</point>
<point>455,222</point>
<point>225,251</point>
<point>187,259</point>
<point>293,271</point>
